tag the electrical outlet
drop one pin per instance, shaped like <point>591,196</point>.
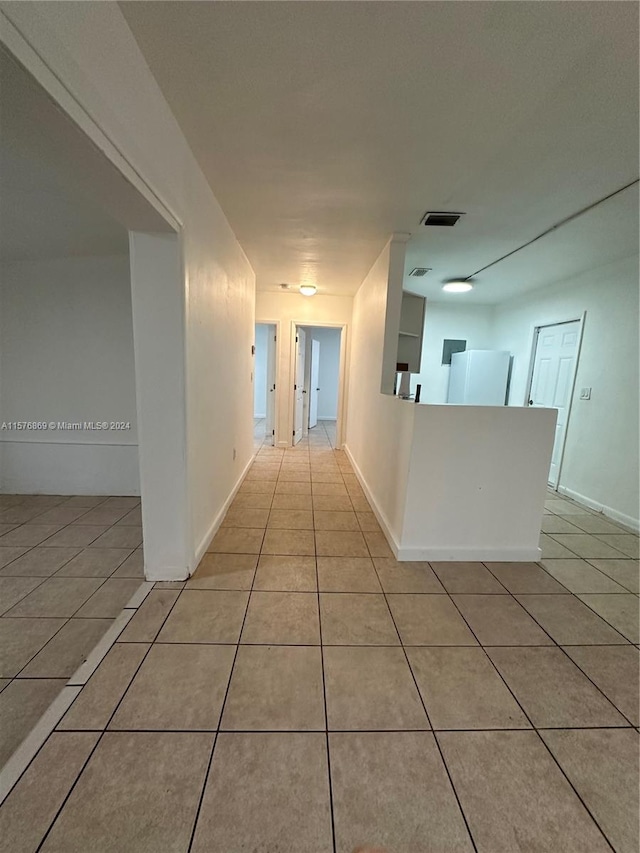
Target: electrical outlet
<point>585,393</point>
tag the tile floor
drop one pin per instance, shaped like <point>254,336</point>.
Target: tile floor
<point>303,691</point>
<point>67,568</point>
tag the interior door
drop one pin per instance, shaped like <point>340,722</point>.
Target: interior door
<point>298,387</point>
<point>552,380</point>
<point>314,389</point>
<point>271,386</point>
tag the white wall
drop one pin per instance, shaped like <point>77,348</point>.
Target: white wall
<point>446,321</point>
<point>287,310</point>
<point>135,128</point>
<point>329,372</point>
<point>66,348</point>
<point>601,454</point>
<point>260,372</point>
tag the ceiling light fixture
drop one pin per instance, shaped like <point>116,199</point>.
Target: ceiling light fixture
<point>308,289</point>
<point>458,285</point>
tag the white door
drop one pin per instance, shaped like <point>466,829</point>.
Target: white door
<point>271,386</point>
<point>556,349</point>
<point>298,387</point>
<point>314,389</point>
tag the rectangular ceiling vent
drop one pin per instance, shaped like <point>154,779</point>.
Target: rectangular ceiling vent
<point>418,272</point>
<point>441,219</point>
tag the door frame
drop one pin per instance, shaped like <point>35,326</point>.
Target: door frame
<point>342,376</point>
<point>276,323</point>
<point>534,344</point>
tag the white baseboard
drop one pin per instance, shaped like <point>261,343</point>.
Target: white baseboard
<point>379,514</point>
<point>217,521</point>
<point>610,512</point>
<point>489,555</point>
<point>283,445</point>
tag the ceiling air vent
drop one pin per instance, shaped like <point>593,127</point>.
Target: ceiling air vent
<point>441,219</point>
<point>418,272</point>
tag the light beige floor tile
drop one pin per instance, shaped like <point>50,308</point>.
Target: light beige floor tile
<point>584,545</point>
<point>558,524</point>
<point>133,517</point>
<point>251,500</point>
<point>462,690</point>
<point>294,574</point>
<point>392,789</point>
<point>56,597</point>
<point>275,688</point>
<point>500,621</point>
<point>21,640</point>
<point>266,792</point>
<point>332,503</point>
<point>621,611</point>
<point>150,616</point>
<point>354,619</point>
<point>246,517</point>
<point>12,590</point>
<point>602,765</point>
<point>429,620</point>
<point>525,578</point>
<point>552,690</point>
<point>127,502</point>
<point>285,618</point>
<point>580,576</point>
<point>178,687</point>
<point>39,562</point>
<point>257,487</point>
<point>406,576</point>
<point>467,577</point>
<point>560,506</point>
<point>296,543</point>
<point>615,669</point>
<point>102,514</point>
<point>515,797</point>
<point>338,543</point>
<point>76,535</point>
<point>8,555</point>
<point>29,534</point>
<point>22,703</point>
<point>592,523</point>
<point>132,567</point>
<point>99,697</point>
<point>568,621</point>
<point>237,540</point>
<point>64,653</point>
<point>377,544</point>
<point>297,502</point>
<point>19,514</point>
<point>60,515</point>
<point>624,572</point>
<point>291,519</point>
<point>205,616</point>
<point>119,537</point>
<point>95,563</point>
<point>552,549</point>
<point>368,522</point>
<point>347,574</point>
<point>262,472</point>
<point>294,475</point>
<point>33,804</point>
<point>86,501</point>
<point>371,689</point>
<point>626,544</point>
<point>328,520</point>
<point>332,489</point>
<point>108,601</point>
<point>289,488</point>
<point>139,792</point>
<point>326,475</point>
<point>224,571</point>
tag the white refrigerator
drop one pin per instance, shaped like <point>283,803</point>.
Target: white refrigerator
<point>479,377</point>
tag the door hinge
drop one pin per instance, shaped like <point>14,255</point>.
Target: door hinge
<point>294,433</point>
<point>273,432</point>
<point>295,387</point>
<point>296,339</point>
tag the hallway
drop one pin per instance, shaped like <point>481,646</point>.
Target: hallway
<point>303,691</point>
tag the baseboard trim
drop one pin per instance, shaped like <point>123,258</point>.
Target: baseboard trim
<point>379,514</point>
<point>490,555</point>
<point>219,518</point>
<point>610,512</point>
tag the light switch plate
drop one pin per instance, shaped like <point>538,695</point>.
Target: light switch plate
<point>585,393</point>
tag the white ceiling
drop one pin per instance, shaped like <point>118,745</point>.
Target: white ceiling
<point>323,127</point>
<point>42,214</point>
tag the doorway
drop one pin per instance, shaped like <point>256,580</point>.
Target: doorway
<point>264,384</point>
<point>553,369</point>
<point>317,380</point>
